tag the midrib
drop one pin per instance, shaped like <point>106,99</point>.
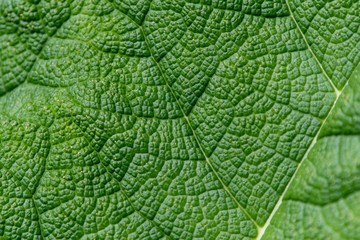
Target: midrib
<point>261,230</point>
<point>338,93</point>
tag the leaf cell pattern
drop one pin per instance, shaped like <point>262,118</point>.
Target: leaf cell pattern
<point>167,119</point>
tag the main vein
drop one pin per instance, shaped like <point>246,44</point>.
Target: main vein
<point>338,94</point>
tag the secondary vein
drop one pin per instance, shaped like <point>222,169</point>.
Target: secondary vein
<point>193,131</point>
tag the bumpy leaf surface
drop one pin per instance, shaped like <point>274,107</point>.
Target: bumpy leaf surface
<point>179,119</point>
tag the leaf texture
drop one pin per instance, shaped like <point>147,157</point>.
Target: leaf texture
<point>186,119</point>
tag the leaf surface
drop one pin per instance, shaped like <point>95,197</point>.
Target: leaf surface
<point>177,119</point>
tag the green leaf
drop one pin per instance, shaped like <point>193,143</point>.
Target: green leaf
<point>323,200</point>
<point>163,119</point>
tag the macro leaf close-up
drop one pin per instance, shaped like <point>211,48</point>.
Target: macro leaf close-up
<point>180,119</point>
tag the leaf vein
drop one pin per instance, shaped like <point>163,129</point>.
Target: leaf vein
<point>226,189</point>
